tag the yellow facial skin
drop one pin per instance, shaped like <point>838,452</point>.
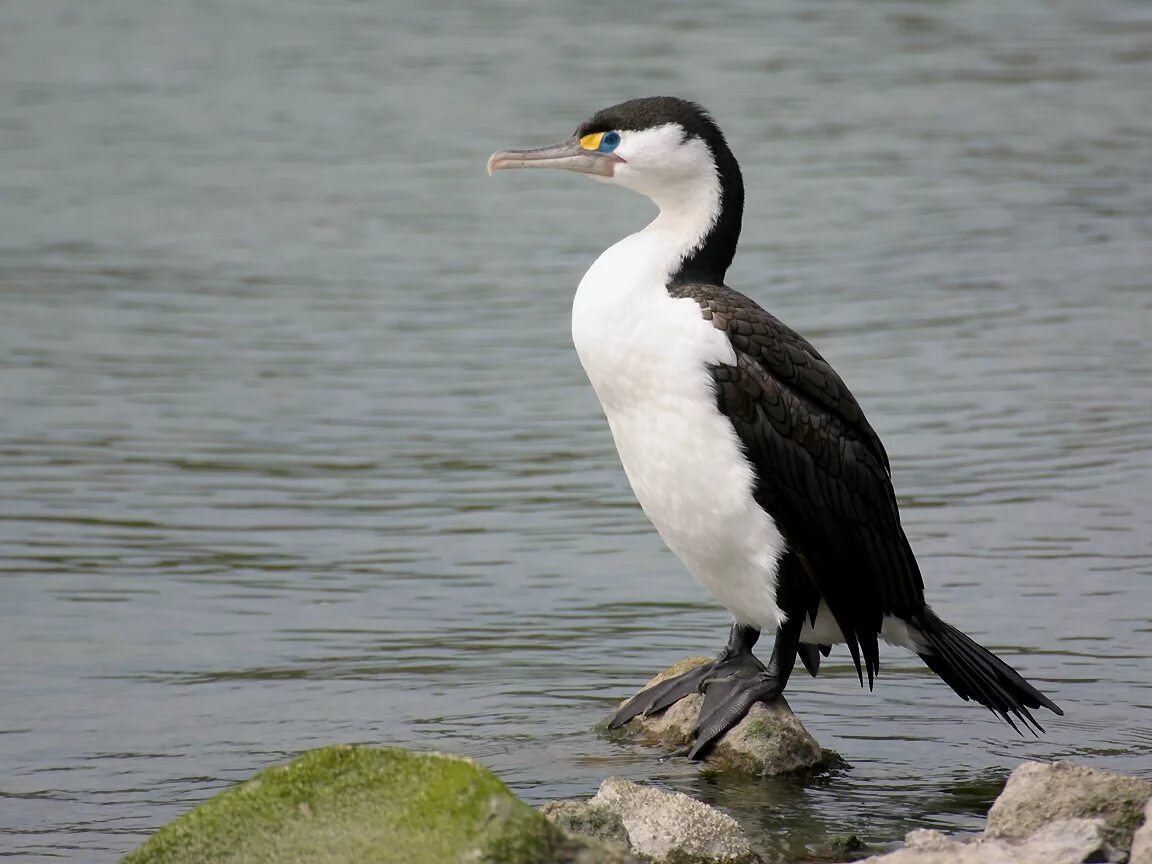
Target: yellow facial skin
<point>591,142</point>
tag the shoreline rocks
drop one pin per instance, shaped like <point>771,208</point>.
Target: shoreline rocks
<point>1039,793</point>
<point>1069,841</point>
<point>659,826</point>
<point>360,805</point>
<point>770,740</point>
<point>1048,813</point>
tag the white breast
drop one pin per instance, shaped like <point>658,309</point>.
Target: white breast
<point>647,357</point>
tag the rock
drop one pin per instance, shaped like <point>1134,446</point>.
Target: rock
<point>588,820</point>
<point>660,826</point>
<point>365,805</point>
<point>1054,813</point>
<point>846,848</point>
<point>1039,793</point>
<point>770,740</point>
<point>1069,841</point>
<point>1142,841</point>
<point>922,847</point>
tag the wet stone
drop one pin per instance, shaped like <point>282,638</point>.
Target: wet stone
<point>1038,793</point>
<point>656,825</point>
<point>770,740</point>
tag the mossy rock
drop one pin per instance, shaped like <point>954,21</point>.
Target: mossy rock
<point>364,805</point>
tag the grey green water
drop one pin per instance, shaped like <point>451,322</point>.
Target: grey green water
<point>295,448</point>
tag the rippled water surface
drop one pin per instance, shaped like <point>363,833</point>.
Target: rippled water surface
<point>295,448</point>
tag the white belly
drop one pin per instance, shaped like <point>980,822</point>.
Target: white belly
<point>825,631</point>
<point>647,357</point>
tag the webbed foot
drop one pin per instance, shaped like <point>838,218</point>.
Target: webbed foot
<point>660,696</point>
<point>727,700</point>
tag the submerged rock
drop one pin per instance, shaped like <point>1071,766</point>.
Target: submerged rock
<point>770,740</point>
<point>662,827</point>
<point>846,848</point>
<point>1040,793</point>
<point>365,805</point>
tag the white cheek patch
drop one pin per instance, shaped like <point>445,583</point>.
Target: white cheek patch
<point>676,172</point>
<point>662,148</point>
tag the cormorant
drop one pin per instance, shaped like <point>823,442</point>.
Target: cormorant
<point>743,445</point>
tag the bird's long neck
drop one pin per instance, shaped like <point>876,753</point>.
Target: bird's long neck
<point>704,217</point>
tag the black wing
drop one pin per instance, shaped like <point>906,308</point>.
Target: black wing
<point>822,473</point>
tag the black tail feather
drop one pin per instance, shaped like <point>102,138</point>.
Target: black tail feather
<point>976,673</point>
<point>810,657</point>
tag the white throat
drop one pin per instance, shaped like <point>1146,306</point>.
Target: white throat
<point>681,180</point>
<point>648,356</point>
<point>625,291</point>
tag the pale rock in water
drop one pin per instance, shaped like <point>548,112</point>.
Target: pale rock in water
<point>662,827</point>
<point>1069,841</point>
<point>1049,813</point>
<point>1038,793</point>
<point>770,740</point>
<point>382,805</point>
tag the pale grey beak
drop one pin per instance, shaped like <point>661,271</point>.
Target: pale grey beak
<point>568,155</point>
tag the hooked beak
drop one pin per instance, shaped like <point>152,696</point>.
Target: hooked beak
<point>568,155</point>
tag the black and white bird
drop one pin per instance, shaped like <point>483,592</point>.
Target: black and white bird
<point>743,446</point>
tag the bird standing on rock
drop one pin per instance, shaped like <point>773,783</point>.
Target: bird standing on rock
<point>744,447</point>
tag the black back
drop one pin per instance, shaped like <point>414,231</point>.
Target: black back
<point>821,473</point>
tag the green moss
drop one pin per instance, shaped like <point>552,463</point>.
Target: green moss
<point>363,805</point>
<point>759,729</point>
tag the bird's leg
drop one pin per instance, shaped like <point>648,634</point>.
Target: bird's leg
<point>738,652</point>
<point>734,689</point>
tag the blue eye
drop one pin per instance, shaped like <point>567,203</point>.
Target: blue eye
<point>609,142</point>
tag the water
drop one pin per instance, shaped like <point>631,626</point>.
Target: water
<point>296,450</point>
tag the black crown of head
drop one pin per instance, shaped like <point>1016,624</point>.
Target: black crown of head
<point>652,111</point>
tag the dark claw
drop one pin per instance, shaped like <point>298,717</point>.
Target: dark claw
<point>726,702</point>
<point>659,696</point>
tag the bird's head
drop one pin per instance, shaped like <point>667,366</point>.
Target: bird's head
<point>662,147</point>
<point>670,150</point>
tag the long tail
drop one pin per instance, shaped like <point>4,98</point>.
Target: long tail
<point>976,673</point>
